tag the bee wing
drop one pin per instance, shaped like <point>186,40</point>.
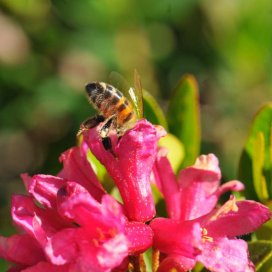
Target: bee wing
<point>134,95</point>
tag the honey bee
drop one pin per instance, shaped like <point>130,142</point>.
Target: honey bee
<point>116,111</point>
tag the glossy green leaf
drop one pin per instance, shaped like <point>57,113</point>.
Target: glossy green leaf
<point>258,164</point>
<point>175,150</point>
<point>261,254</point>
<point>152,110</point>
<point>98,168</point>
<point>255,167</point>
<point>101,172</point>
<point>184,118</point>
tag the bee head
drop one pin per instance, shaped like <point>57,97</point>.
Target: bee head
<point>92,88</point>
<point>95,88</point>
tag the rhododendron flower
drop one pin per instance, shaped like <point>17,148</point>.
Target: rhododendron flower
<point>70,223</point>
<point>131,166</point>
<point>196,191</point>
<point>193,199</point>
<point>70,230</point>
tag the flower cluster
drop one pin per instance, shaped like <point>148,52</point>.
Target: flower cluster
<point>70,223</point>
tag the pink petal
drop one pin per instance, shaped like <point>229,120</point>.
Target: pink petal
<point>76,167</point>
<point>44,189</point>
<point>226,255</point>
<point>62,248</point>
<point>172,237</point>
<point>37,222</point>
<point>176,263</point>
<point>113,252</point>
<point>27,180</point>
<point>131,167</point>
<point>23,212</point>
<point>167,184</point>
<point>233,222</point>
<point>233,185</point>
<point>21,249</point>
<point>198,184</point>
<point>75,203</point>
<point>139,236</point>
<point>46,267</point>
<point>76,246</point>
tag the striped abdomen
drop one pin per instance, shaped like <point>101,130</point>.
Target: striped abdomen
<point>109,101</point>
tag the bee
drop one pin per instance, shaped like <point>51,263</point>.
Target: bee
<point>116,111</point>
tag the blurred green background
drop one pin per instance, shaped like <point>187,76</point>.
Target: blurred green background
<point>49,50</point>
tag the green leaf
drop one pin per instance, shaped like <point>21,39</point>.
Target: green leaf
<point>3,265</point>
<point>175,150</point>
<point>255,167</point>
<point>98,168</point>
<point>258,164</point>
<point>157,196</point>
<point>264,232</point>
<point>184,118</point>
<point>152,110</point>
<point>148,260</point>
<point>261,254</point>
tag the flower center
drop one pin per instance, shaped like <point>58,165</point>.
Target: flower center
<point>103,235</point>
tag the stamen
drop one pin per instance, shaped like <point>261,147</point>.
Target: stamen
<point>229,206</point>
<point>95,242</point>
<point>101,235</point>
<point>205,237</point>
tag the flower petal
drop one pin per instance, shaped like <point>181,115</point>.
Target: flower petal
<point>46,266</point>
<point>113,252</point>
<point>21,249</point>
<point>76,204</point>
<point>167,184</point>
<point>233,185</point>
<point>76,167</point>
<point>131,166</point>
<point>139,236</point>
<point>23,213</point>
<point>173,237</point>
<point>44,189</point>
<point>62,248</point>
<point>177,263</point>
<point>236,218</point>
<point>37,222</point>
<point>98,252</point>
<point>198,184</point>
<point>226,255</point>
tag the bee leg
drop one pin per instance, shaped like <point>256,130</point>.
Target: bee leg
<point>107,143</point>
<point>119,135</point>
<point>90,123</point>
<point>104,132</point>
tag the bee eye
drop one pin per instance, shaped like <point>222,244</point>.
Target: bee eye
<point>91,88</point>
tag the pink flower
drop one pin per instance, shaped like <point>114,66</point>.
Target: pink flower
<point>70,230</point>
<point>191,202</point>
<point>76,167</point>
<point>131,166</point>
<point>196,191</point>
